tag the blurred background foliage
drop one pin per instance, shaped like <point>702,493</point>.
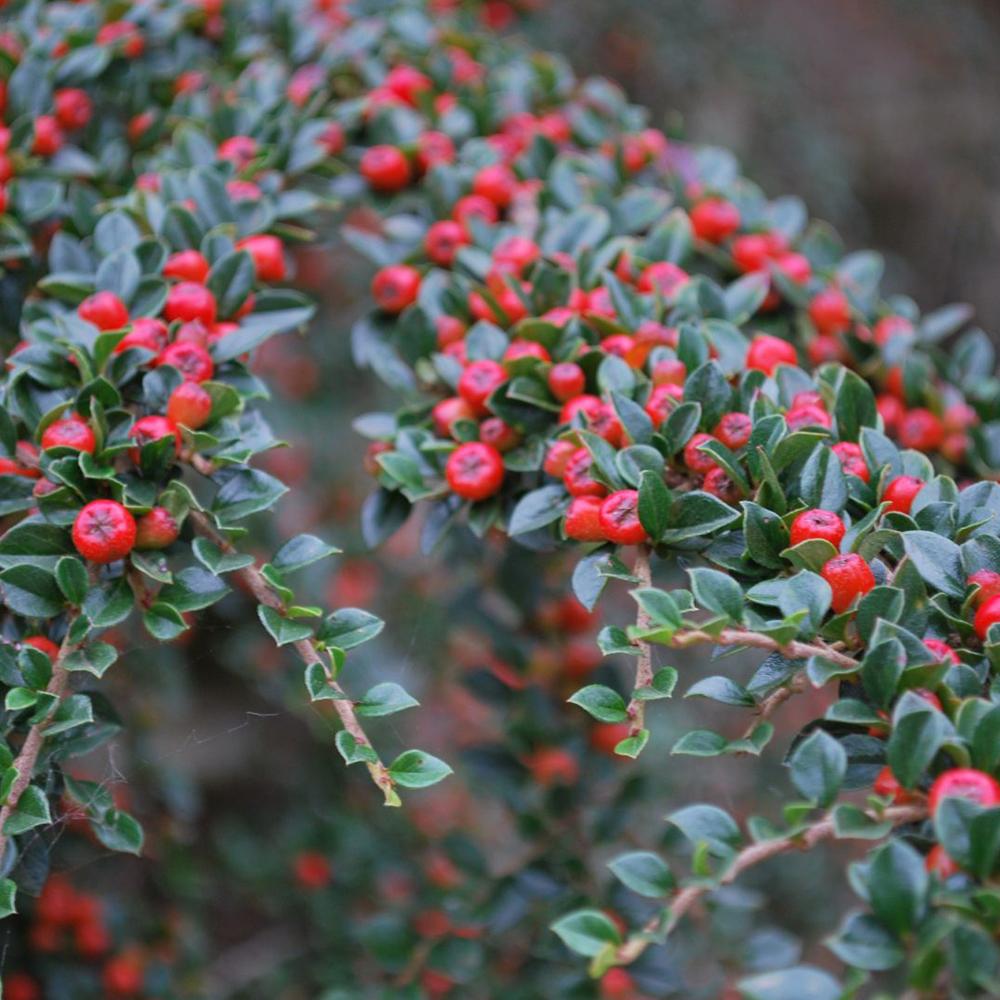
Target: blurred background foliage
<point>881,115</point>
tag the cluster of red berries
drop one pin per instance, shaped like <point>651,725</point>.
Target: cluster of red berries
<point>69,921</point>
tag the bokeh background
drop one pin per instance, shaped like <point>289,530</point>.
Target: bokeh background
<point>882,115</point>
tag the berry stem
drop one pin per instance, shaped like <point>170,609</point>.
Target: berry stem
<point>308,653</point>
<point>27,757</point>
<point>660,926</point>
<point>644,665</point>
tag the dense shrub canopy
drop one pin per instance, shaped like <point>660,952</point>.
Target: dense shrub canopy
<point>603,341</point>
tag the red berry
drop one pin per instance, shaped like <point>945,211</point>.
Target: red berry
<point>988,583</point>
<point>661,401</point>
<point>939,863</point>
<point>695,459</point>
<point>156,530</point>
<point>557,457</point>
<point>964,783</point>
<point>20,986</point>
<point>105,310</point>
<point>501,435</point>
<point>830,312</point>
<point>152,428</point>
<point>123,975</point>
<point>920,429</point>
<point>73,107</point>
<point>48,138</point>
<point>901,492</point>
<point>70,432</point>
<point>443,241</point>
<point>718,484</point>
<point>478,381</point>
<point>577,478</point>
<point>852,459</point>
<point>604,737</point>
<point>942,650</point>
<point>395,287</point>
<point>617,984</point>
<point>268,255</point>
<point>733,430</point>
<point>474,471</point>
<point>553,766</point>
<point>497,183</point>
<point>619,518</point>
<point>518,349</point>
<point>189,406</point>
<point>849,576</point>
<point>669,371</point>
<point>891,326</point>
<point>767,352</point>
<point>887,784</point>
<point>583,523</point>
<point>146,332</point>
<point>752,252</point>
<point>715,219</point>
<point>566,380</point>
<point>449,412</point>
<point>189,301</point>
<point>104,531</point>
<point>190,359</point>
<point>385,168</point>
<point>44,645</point>
<point>817,524</point>
<point>239,150</point>
<point>664,277</point>
<point>312,870</point>
<point>187,265</point>
<point>987,615</point>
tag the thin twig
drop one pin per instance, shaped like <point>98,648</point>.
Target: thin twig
<point>308,653</point>
<point>644,665</point>
<point>27,758</point>
<point>745,637</point>
<point>665,922</point>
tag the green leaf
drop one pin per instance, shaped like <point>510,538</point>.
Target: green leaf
<point>538,508</point>
<point>71,576</point>
<point>31,591</point>
<point>246,492</point>
<point>352,751</point>
<point>818,766</point>
<point>8,895</point>
<point>601,702</point>
<point>938,561</point>
<point>664,682</point>
<point>801,982</point>
<point>416,769</point>
<point>718,593</point>
<point>385,699</point>
<point>643,872</point>
<point>710,825</point>
<point>697,514</point>
<point>916,737</point>
<point>215,560</point>
<point>587,932</point>
<point>94,658</point>
<point>349,627</point>
<point>654,504</point>
<point>301,551</point>
<point>32,810</point>
<point>897,885</point>
<point>118,831</point>
<point>721,689</point>
<point>281,629</point>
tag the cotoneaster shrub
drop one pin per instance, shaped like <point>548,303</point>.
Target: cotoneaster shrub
<point>603,337</point>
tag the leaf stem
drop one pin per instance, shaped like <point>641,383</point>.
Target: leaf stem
<point>644,664</point>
